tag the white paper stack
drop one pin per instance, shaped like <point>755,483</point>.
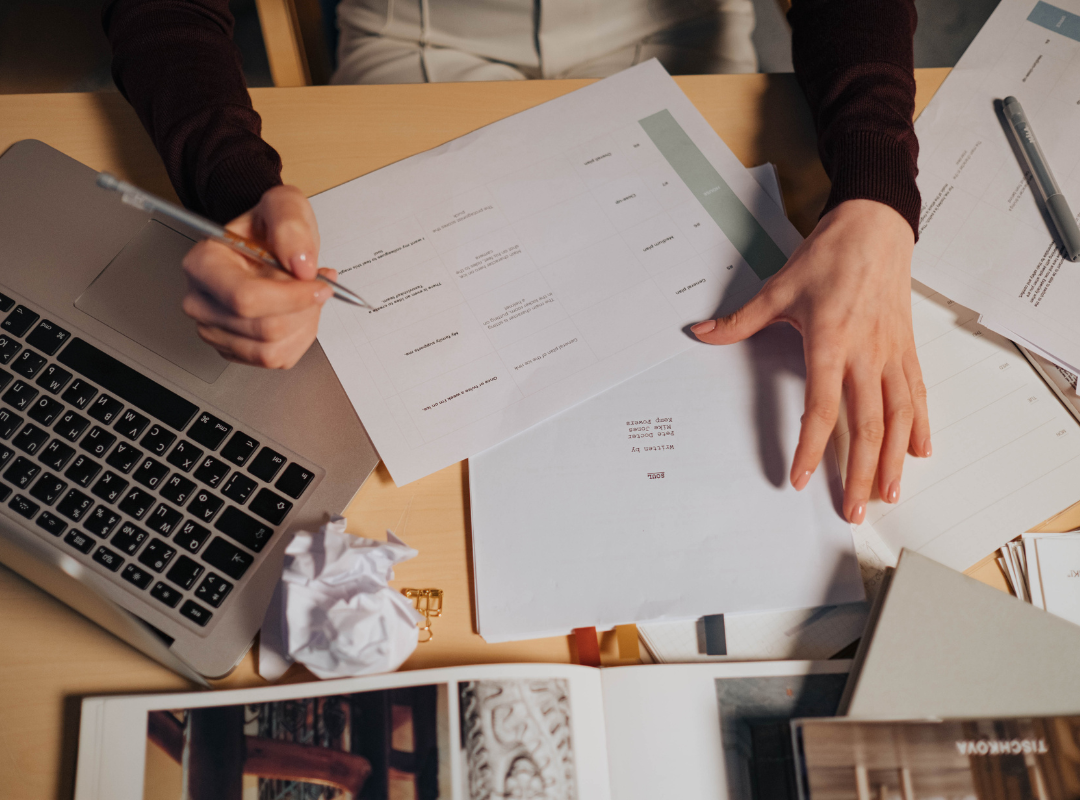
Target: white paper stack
<point>1044,569</point>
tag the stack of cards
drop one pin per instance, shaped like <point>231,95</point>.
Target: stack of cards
<point>1044,570</point>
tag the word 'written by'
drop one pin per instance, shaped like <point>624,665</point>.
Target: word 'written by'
<point>648,428</point>
<point>381,254</point>
<point>429,344</point>
<point>401,297</point>
<point>542,356</point>
<point>462,393</point>
<point>461,216</point>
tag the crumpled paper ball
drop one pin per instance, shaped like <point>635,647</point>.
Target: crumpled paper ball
<point>334,611</point>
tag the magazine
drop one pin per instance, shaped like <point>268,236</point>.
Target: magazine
<point>468,733</point>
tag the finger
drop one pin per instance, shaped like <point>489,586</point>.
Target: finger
<point>205,311</point>
<point>898,415</point>
<point>920,424</point>
<point>866,421</point>
<point>824,383</point>
<point>758,313</point>
<point>285,221</point>
<point>272,355</point>
<point>247,289</point>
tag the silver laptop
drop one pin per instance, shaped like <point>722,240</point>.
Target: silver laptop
<point>145,481</point>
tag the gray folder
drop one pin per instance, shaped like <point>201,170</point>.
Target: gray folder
<point>941,644</point>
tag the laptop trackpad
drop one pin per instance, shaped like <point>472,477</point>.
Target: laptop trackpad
<point>139,295</point>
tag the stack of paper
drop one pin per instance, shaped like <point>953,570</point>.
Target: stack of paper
<point>1044,569</point>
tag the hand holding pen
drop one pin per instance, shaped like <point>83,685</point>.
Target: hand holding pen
<point>249,311</point>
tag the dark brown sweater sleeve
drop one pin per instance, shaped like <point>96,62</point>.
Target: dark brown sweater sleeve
<point>854,61</point>
<point>175,62</point>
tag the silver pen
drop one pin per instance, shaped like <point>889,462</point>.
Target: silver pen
<point>134,196</point>
<point>1051,195</point>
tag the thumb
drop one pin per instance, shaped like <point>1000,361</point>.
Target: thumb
<point>742,324</point>
<point>288,226</point>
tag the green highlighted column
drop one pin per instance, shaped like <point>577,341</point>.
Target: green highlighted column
<point>727,210</point>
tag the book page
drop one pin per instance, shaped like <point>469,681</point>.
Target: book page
<point>467,733</point>
<point>536,262</point>
<point>1006,454</point>
<point>698,730</point>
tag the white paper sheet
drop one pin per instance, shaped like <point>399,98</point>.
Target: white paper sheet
<point>1006,452</point>
<point>536,262</point>
<point>984,241</point>
<point>664,498</point>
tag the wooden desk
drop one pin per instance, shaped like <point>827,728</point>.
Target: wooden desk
<point>49,656</point>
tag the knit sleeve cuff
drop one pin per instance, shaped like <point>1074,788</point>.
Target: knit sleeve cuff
<point>236,183</point>
<point>870,165</point>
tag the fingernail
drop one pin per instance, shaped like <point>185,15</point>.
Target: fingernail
<point>858,513</point>
<point>704,327</point>
<point>893,495</point>
<point>800,481</point>
<point>298,261</point>
<point>927,449</point>
<point>324,294</point>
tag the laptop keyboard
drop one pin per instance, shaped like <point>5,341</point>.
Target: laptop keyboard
<point>168,499</point>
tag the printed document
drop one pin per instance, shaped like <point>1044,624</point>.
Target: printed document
<point>984,240</point>
<point>535,263</point>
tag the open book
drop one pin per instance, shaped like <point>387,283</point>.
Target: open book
<point>468,733</point>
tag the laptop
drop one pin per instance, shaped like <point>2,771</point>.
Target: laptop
<point>145,481</point>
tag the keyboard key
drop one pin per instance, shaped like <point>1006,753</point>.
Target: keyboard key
<point>191,536</point>
<point>9,423</point>
<point>5,379</point>
<point>45,411</point>
<point>239,449</point>
<point>24,507</point>
<point>195,612</point>
<point>271,507</point>
<point>53,378</point>
<point>228,558</point>
<point>108,559</point>
<point>31,439</point>
<point>5,303</point>
<point>185,572</point>
<point>266,464</point>
<point>294,480</point>
<point>157,555</point>
<point>204,505</point>
<point>164,519</point>
<point>177,489</point>
<point>5,492</point>
<point>75,505</point>
<point>124,457</point>
<point>19,321</point>
<point>131,424</point>
<point>6,454</point>
<point>48,337</point>
<point>157,440</point>
<point>110,488</point>
<point>211,471</point>
<point>82,471</point>
<point>21,472</point>
<point>28,364</point>
<point>237,525</point>
<point>71,426</point>
<point>209,431</point>
<point>105,409</point>
<point>184,456</point>
<point>239,488</point>
<point>150,473</point>
<point>80,394</point>
<point>56,455</point>
<point>213,590</point>
<point>54,525</point>
<point>80,541</point>
<point>136,503</point>
<point>20,395</point>
<point>48,489</point>
<point>166,594</point>
<point>8,348</point>
<point>137,575</point>
<point>129,538</point>
<point>98,442</point>
<point>101,521</point>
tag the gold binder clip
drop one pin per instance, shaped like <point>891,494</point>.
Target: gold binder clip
<point>429,603</point>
